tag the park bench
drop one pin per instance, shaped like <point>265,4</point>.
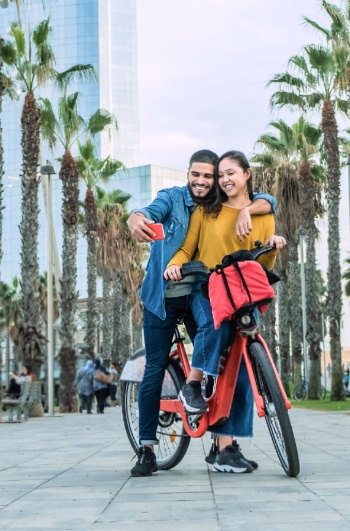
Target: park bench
<point>18,407</point>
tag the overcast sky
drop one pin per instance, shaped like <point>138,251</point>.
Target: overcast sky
<point>203,70</point>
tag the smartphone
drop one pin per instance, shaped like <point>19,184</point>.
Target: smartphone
<point>158,229</point>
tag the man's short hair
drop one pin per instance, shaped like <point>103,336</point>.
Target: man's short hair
<point>204,155</point>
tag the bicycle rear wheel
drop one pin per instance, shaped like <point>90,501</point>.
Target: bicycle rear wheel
<point>277,417</point>
<point>173,439</point>
<point>300,392</point>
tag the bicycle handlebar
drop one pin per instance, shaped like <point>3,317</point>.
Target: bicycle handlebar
<point>199,268</point>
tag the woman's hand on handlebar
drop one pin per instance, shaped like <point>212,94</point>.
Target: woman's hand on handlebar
<point>278,241</point>
<point>173,273</point>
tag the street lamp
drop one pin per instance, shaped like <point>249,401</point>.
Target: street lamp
<point>47,171</point>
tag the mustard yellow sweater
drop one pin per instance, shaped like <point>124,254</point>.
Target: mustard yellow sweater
<point>209,239</point>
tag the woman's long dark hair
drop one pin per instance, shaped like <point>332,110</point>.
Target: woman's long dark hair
<point>221,197</point>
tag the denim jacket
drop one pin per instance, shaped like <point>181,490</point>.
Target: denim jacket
<point>172,207</point>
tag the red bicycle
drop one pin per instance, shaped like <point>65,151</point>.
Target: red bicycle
<point>176,426</point>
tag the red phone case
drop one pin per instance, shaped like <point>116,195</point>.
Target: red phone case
<point>158,229</point>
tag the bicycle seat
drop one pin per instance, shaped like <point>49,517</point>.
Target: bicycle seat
<point>194,268</point>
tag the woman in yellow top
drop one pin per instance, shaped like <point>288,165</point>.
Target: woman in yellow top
<point>210,237</point>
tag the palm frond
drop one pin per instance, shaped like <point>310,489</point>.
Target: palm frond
<point>315,25</point>
<point>283,98</point>
<point>49,123</point>
<point>19,38</point>
<point>100,120</point>
<point>9,53</point>
<point>75,73</point>
<point>286,78</point>
<point>342,105</point>
<point>320,58</point>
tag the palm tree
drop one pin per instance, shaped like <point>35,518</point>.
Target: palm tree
<point>278,156</point>
<point>337,38</point>
<point>111,256</point>
<point>2,90</point>
<point>67,128</point>
<point>120,265</point>
<point>10,297</point>
<point>32,59</point>
<point>315,85</point>
<point>307,141</point>
<point>92,171</point>
<point>346,276</point>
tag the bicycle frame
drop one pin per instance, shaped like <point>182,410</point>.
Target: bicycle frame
<point>221,400</point>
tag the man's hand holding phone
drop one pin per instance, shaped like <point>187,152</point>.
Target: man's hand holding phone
<point>157,230</point>
<point>141,228</point>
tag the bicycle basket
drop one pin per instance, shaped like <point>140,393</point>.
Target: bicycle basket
<point>236,286</point>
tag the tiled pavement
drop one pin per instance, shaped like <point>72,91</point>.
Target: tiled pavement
<point>71,472</point>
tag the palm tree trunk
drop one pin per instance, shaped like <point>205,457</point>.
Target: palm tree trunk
<point>30,340</point>
<point>283,329</point>
<point>296,317</point>
<point>70,211</point>
<point>268,330</point>
<point>107,310</point>
<point>313,335</point>
<point>2,88</point>
<point>121,346</point>
<point>330,132</point>
<point>137,340</point>
<point>92,312</point>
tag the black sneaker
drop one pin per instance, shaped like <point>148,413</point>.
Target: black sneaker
<point>228,460</point>
<point>252,463</point>
<point>213,452</point>
<point>192,398</point>
<point>146,463</point>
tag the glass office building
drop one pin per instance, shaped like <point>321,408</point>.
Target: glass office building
<point>97,32</point>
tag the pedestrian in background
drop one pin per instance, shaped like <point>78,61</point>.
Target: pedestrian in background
<point>100,388</point>
<point>84,381</point>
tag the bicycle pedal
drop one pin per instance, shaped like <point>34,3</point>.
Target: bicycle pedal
<point>193,417</point>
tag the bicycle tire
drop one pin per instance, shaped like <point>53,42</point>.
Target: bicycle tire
<point>322,391</point>
<point>300,392</point>
<point>277,418</point>
<point>173,439</point>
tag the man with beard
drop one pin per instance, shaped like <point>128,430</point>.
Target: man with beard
<point>165,301</point>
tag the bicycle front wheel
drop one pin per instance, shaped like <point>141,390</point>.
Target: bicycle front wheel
<point>173,439</point>
<point>276,417</point>
<point>300,392</point>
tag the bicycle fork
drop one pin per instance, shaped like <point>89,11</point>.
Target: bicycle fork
<point>257,397</point>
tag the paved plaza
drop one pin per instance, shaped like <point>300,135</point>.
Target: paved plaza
<point>71,472</point>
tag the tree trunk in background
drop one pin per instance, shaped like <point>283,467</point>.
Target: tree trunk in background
<point>313,313</point>
<point>30,342</point>
<point>67,355</point>
<point>107,312</point>
<point>1,155</point>
<point>121,346</point>
<point>92,310</point>
<point>269,329</point>
<point>331,151</point>
<point>137,335</point>
<point>283,336</point>
<point>295,312</point>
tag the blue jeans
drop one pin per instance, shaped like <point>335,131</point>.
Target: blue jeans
<point>240,421</point>
<point>209,343</point>
<point>158,336</point>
